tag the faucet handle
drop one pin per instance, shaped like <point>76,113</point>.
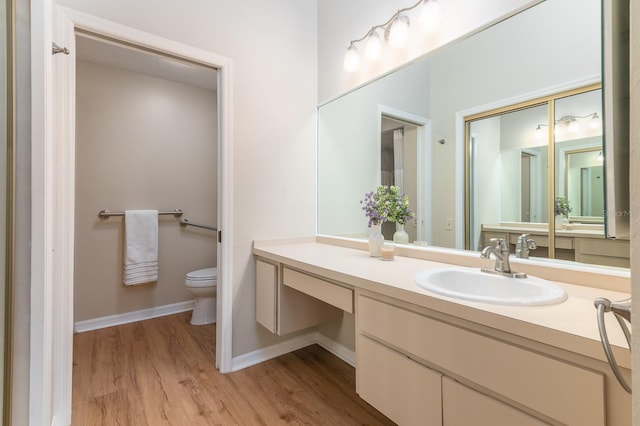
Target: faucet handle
<point>500,243</point>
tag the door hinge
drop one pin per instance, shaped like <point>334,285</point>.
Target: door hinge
<point>57,49</point>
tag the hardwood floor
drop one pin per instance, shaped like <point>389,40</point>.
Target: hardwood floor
<point>161,372</point>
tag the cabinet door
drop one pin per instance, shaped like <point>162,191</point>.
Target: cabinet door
<point>462,406</point>
<point>266,294</point>
<point>400,388</point>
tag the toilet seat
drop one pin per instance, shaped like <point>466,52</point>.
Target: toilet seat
<point>202,278</point>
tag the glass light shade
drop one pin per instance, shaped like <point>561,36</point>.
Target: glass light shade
<point>399,32</point>
<point>600,157</point>
<point>539,132</point>
<point>430,16</point>
<point>373,47</point>
<point>351,59</point>
<point>573,125</point>
<point>595,121</point>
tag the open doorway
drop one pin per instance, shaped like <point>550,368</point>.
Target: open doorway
<point>146,138</point>
<point>58,218</point>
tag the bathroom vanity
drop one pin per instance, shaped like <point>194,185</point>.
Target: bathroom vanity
<point>578,242</point>
<point>427,359</point>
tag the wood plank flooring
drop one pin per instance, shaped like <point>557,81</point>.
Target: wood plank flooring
<point>161,372</point>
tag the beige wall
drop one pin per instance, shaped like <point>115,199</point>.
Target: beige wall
<point>141,143</point>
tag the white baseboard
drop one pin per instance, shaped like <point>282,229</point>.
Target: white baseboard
<point>127,317</point>
<point>338,349</point>
<point>261,355</point>
<point>298,342</point>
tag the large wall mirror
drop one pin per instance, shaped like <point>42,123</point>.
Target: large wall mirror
<point>535,54</point>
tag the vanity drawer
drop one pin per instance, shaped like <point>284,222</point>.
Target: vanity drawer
<point>403,390</point>
<point>561,391</point>
<point>333,294</point>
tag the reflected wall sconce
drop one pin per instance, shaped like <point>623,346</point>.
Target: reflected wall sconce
<point>395,32</point>
<point>571,123</point>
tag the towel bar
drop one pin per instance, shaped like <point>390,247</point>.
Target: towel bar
<point>185,222</point>
<point>107,213</point>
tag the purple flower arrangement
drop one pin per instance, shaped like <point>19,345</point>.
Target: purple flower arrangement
<point>386,204</point>
<point>562,207</point>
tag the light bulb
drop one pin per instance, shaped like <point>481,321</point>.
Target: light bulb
<point>573,125</point>
<point>595,121</point>
<point>539,132</point>
<point>399,32</point>
<point>373,47</point>
<point>430,16</point>
<point>600,157</point>
<point>351,59</point>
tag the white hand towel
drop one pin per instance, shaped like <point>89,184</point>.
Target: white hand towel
<point>140,247</point>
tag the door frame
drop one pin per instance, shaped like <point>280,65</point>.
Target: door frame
<point>423,125</point>
<point>53,200</point>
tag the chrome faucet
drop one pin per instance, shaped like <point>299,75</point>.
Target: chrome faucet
<point>524,245</point>
<point>501,253</point>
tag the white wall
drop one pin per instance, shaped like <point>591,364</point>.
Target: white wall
<point>273,49</point>
<point>141,143</point>
<point>486,180</point>
<point>349,157</point>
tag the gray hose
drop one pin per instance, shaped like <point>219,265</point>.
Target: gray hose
<point>604,305</point>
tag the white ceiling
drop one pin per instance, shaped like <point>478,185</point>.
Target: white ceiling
<point>156,65</point>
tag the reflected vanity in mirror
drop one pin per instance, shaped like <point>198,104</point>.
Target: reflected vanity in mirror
<point>552,75</point>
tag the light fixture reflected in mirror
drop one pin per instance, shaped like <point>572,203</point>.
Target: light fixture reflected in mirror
<point>600,157</point>
<point>571,123</point>
<point>396,31</point>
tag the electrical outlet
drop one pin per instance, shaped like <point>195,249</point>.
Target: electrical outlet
<point>449,224</point>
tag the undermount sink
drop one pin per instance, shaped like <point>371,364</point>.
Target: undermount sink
<point>474,285</point>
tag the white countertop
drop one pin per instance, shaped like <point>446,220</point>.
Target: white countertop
<point>570,325</point>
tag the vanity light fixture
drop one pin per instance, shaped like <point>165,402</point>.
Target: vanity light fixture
<point>351,59</point>
<point>600,157</point>
<point>396,33</point>
<point>373,47</point>
<point>571,123</point>
<point>539,131</point>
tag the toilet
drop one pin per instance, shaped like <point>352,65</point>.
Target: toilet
<point>203,285</point>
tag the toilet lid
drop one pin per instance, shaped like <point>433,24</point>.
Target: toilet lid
<point>203,274</point>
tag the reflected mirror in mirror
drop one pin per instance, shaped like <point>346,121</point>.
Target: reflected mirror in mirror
<point>585,183</point>
<point>508,183</point>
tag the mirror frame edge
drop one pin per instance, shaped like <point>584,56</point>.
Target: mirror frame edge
<point>10,180</point>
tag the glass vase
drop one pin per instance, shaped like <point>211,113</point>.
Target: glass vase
<point>400,236</point>
<point>376,240</point>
